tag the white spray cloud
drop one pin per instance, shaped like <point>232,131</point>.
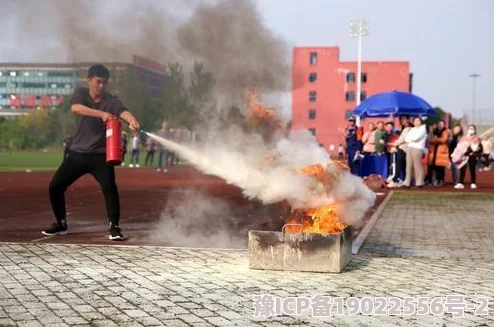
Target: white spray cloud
<point>268,171</point>
<point>212,224</point>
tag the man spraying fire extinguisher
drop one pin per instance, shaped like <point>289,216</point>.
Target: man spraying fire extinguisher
<point>93,108</point>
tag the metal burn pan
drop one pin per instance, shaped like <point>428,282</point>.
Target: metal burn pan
<point>312,252</point>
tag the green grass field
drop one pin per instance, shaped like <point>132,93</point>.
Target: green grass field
<point>44,160</point>
<point>34,160</point>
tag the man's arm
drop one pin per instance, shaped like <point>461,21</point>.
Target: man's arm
<point>126,115</point>
<point>83,110</point>
<point>131,120</point>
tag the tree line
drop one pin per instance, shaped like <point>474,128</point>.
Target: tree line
<point>183,102</point>
<point>186,101</point>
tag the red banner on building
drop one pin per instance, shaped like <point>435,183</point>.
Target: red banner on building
<point>45,101</point>
<point>149,64</point>
<point>30,100</point>
<point>15,100</point>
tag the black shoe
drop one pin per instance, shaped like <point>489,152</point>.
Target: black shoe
<point>56,229</point>
<point>116,233</point>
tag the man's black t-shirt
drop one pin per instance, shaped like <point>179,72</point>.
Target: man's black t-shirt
<point>90,134</point>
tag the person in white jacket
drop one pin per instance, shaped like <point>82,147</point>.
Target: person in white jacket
<point>415,140</point>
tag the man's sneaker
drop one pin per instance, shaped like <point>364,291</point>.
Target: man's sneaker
<point>116,233</point>
<point>459,186</point>
<point>473,186</point>
<point>55,229</point>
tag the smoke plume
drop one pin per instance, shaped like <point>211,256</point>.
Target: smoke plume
<point>267,171</point>
<point>228,36</point>
<point>193,219</point>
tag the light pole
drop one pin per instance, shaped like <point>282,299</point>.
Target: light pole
<point>359,29</point>
<point>474,78</point>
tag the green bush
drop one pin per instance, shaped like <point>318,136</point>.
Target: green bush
<point>32,131</point>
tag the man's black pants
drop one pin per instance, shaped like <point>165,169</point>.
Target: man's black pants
<point>74,166</point>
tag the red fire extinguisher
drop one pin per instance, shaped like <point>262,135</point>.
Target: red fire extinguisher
<point>113,142</point>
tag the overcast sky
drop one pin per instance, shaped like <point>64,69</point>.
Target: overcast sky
<point>444,40</point>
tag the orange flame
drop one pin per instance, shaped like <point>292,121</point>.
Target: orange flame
<point>259,113</point>
<point>324,219</point>
<point>316,170</point>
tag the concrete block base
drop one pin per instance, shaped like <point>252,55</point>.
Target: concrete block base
<point>300,251</point>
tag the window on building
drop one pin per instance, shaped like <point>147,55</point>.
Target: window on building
<point>350,77</point>
<point>363,95</point>
<point>25,74</point>
<point>60,73</point>
<point>1,73</point>
<point>313,58</point>
<point>363,78</point>
<point>31,84</point>
<point>312,96</point>
<point>53,85</point>
<point>312,131</point>
<point>68,86</point>
<point>350,96</point>
<point>3,84</point>
<point>13,74</point>
<point>312,77</point>
<point>40,74</point>
<point>312,114</point>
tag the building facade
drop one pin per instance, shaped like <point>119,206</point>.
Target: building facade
<point>28,86</point>
<point>324,89</point>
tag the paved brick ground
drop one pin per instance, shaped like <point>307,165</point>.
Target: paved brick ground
<point>443,225</point>
<point>81,285</point>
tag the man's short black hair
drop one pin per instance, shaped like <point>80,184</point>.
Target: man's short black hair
<point>390,123</point>
<point>98,71</point>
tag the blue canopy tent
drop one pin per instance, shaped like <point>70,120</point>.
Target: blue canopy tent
<point>394,103</point>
